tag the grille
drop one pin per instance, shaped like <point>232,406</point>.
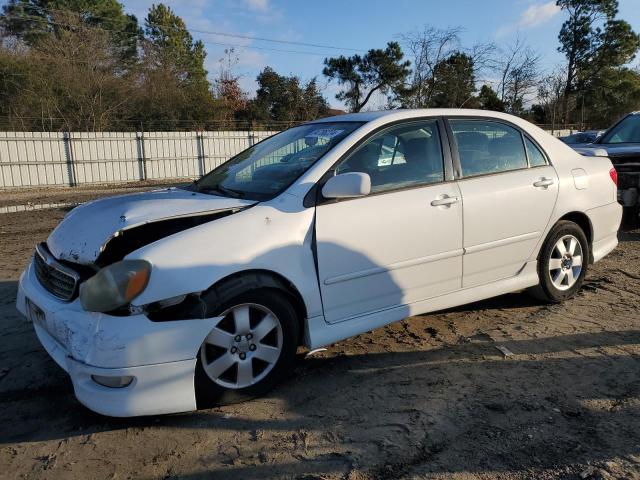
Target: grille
<point>57,279</point>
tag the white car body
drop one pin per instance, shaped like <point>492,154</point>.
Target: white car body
<point>416,258</point>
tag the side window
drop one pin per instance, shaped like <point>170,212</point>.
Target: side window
<point>390,153</point>
<point>400,156</point>
<point>536,158</point>
<point>488,147</point>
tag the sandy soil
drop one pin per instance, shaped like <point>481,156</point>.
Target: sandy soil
<point>429,397</point>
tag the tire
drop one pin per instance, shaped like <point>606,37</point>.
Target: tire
<point>560,275</point>
<point>217,385</point>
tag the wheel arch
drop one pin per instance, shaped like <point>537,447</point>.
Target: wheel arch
<point>204,304</point>
<point>583,221</point>
<point>239,282</point>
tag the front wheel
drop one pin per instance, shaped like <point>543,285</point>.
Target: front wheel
<point>249,350</point>
<point>562,264</point>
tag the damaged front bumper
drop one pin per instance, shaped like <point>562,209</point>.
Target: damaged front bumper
<point>157,358</point>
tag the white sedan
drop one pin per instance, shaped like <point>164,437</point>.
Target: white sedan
<point>171,300</point>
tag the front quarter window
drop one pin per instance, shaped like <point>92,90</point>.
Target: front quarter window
<point>268,168</point>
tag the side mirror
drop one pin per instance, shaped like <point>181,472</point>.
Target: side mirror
<point>347,185</point>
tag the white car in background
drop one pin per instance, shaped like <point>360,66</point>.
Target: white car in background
<point>171,300</point>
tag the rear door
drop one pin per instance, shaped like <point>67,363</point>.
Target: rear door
<point>403,242</point>
<point>509,190</point>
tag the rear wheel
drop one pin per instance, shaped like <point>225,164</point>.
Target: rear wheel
<point>249,350</point>
<point>562,263</point>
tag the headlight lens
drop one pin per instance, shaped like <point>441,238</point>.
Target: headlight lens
<point>115,286</point>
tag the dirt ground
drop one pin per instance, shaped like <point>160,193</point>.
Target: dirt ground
<point>61,195</point>
<point>429,397</point>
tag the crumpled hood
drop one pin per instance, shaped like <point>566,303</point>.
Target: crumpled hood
<point>86,229</point>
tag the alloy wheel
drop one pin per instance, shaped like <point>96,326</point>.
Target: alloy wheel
<point>243,347</point>
<point>565,264</point>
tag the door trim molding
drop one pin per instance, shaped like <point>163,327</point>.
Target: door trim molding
<point>392,266</point>
<point>502,242</point>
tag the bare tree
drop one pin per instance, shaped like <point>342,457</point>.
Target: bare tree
<point>518,68</point>
<point>429,48</point>
<point>484,60</point>
<point>551,95</point>
<point>227,88</point>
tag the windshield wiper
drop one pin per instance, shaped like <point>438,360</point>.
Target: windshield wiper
<point>225,191</point>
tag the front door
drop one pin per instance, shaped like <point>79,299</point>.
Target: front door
<point>403,242</point>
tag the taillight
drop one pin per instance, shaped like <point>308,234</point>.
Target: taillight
<point>614,176</point>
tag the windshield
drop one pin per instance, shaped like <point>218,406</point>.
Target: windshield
<point>627,131</point>
<point>269,167</point>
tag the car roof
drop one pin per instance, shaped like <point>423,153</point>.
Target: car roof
<point>400,114</point>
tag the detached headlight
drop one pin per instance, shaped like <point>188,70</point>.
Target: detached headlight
<point>115,286</point>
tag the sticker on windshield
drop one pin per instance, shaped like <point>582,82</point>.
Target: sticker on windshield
<point>324,133</point>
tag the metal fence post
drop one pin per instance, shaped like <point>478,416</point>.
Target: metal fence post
<point>200,148</point>
<point>252,138</point>
<point>68,153</point>
<point>142,157</point>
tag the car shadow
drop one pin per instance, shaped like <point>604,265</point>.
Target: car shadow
<point>508,301</point>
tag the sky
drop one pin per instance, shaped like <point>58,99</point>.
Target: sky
<point>354,26</point>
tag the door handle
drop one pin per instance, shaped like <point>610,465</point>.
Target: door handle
<point>543,183</point>
<point>444,201</point>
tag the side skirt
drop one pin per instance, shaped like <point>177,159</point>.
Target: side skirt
<point>321,333</point>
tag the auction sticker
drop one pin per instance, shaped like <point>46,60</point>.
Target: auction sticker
<point>324,133</point>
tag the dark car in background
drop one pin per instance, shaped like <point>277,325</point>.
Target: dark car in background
<point>582,138</point>
<point>621,143</point>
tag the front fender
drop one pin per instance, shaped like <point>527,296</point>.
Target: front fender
<point>274,236</point>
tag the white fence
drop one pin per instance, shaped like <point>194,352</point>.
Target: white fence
<point>32,159</point>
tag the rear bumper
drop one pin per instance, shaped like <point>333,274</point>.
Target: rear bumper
<point>603,247</point>
<point>605,221</point>
<point>161,357</point>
